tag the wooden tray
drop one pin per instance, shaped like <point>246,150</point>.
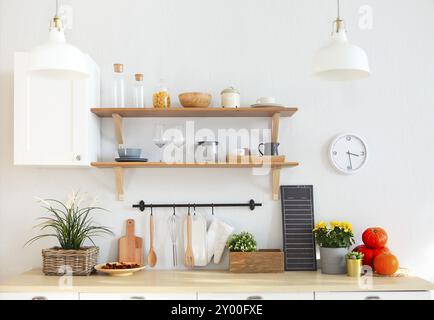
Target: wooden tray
<point>262,261</point>
<point>117,272</point>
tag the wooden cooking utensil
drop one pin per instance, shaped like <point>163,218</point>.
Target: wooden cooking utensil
<point>130,246</point>
<point>189,257</point>
<point>152,257</point>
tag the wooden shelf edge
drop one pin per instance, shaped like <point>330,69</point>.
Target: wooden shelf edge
<point>194,112</point>
<point>145,165</point>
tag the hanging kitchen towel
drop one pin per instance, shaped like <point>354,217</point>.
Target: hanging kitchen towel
<point>217,236</point>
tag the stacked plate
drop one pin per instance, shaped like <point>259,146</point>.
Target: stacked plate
<point>130,155</point>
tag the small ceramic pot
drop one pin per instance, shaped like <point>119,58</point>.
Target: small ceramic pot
<point>230,98</point>
<point>333,260</point>
<point>354,268</point>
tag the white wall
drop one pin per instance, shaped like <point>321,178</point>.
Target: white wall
<point>263,48</point>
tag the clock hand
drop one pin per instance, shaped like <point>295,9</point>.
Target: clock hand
<point>353,154</point>
<point>349,157</point>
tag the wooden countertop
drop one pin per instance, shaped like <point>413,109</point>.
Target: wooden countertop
<point>210,281</point>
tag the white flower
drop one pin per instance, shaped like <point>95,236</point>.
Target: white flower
<point>43,201</point>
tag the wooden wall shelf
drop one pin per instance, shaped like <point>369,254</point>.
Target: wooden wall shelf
<point>190,165</point>
<point>117,114</point>
<point>194,112</point>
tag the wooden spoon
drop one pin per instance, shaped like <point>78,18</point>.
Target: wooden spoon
<point>189,257</point>
<point>152,257</point>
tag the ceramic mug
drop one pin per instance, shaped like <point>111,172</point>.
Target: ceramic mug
<point>266,100</point>
<point>270,149</point>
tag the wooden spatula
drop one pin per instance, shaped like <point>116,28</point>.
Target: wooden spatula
<point>130,246</point>
<point>189,257</point>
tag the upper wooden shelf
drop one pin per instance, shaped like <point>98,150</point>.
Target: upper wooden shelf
<point>190,165</point>
<point>195,112</point>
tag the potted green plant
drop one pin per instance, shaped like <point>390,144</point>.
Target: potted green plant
<point>334,241</point>
<point>71,224</point>
<point>244,257</point>
<point>354,264</point>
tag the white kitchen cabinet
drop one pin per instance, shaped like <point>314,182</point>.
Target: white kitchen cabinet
<point>257,296</point>
<point>53,125</point>
<point>38,296</point>
<point>384,295</point>
<point>138,296</point>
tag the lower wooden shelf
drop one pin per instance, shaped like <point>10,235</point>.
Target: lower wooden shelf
<point>119,166</point>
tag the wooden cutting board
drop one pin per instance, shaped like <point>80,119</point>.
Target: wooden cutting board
<point>130,246</point>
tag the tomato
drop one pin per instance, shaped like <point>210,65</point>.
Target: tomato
<point>370,253</point>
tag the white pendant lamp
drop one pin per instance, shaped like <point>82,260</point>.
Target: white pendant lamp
<point>57,59</point>
<point>340,60</point>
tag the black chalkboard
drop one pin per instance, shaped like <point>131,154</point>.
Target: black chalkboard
<point>298,222</point>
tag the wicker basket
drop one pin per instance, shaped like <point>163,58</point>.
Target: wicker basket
<point>57,262</point>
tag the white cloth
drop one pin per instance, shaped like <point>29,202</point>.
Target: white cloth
<point>217,236</point>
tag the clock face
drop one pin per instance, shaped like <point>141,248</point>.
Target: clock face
<point>348,153</point>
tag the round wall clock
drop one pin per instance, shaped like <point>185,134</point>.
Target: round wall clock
<point>348,153</point>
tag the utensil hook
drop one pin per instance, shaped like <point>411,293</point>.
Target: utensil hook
<point>194,209</point>
<point>152,213</point>
<point>212,209</point>
<point>188,209</point>
<point>174,210</point>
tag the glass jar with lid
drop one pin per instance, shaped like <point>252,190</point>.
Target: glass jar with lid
<point>161,96</point>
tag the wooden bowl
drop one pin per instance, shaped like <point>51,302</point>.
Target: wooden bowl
<point>117,272</point>
<point>195,99</point>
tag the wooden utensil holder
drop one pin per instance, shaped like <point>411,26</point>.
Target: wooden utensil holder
<point>262,261</point>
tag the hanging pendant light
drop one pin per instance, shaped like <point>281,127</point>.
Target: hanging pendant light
<point>340,60</point>
<point>56,59</point>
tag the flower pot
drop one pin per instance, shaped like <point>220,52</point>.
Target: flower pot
<point>58,262</point>
<point>354,268</point>
<point>333,260</point>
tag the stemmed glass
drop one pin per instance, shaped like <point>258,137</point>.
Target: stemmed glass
<point>178,140</point>
<point>159,139</point>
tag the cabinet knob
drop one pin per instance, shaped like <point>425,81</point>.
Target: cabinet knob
<point>255,298</point>
<point>39,298</point>
<point>78,157</point>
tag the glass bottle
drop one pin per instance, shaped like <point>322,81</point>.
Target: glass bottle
<point>118,86</point>
<point>161,97</point>
<point>139,95</point>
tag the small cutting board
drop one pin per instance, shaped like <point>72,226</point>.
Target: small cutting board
<point>130,246</point>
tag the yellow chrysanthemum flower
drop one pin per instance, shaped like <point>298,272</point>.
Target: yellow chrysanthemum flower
<point>320,225</point>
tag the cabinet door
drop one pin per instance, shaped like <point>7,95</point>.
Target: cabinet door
<point>384,295</point>
<point>38,296</point>
<point>257,296</point>
<point>48,118</point>
<point>138,296</point>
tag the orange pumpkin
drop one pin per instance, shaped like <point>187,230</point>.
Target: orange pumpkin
<point>375,237</point>
<point>386,264</point>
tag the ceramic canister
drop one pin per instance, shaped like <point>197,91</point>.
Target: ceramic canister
<point>230,98</point>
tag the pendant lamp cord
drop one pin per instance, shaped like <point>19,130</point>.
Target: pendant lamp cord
<point>339,10</point>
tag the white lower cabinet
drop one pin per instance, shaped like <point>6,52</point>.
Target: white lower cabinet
<point>257,296</point>
<point>138,296</point>
<point>38,296</point>
<point>383,295</point>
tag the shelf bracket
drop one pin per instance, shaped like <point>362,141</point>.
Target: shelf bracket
<point>119,128</point>
<point>119,174</point>
<point>275,180</point>
<point>275,121</point>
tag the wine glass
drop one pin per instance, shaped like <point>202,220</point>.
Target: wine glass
<point>159,139</point>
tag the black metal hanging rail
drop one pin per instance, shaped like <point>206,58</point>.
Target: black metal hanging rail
<point>142,205</point>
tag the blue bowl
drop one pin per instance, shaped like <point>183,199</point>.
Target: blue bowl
<point>129,152</point>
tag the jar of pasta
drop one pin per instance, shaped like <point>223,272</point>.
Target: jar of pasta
<point>161,97</point>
